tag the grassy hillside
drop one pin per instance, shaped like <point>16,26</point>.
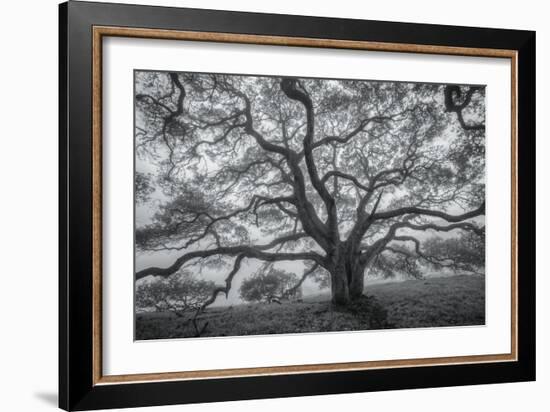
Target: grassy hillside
<point>434,302</point>
<point>449,301</point>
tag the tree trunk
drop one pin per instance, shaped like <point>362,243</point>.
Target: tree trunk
<point>347,280</point>
<point>357,284</point>
<point>339,288</point>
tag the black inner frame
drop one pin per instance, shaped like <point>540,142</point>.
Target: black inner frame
<point>76,388</point>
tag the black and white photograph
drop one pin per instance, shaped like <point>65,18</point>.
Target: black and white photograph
<point>215,206</point>
<point>276,205</point>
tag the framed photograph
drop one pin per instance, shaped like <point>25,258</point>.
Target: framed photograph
<point>257,205</point>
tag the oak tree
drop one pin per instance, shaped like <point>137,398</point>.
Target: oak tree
<point>336,174</point>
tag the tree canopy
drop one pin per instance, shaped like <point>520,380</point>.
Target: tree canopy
<point>337,174</point>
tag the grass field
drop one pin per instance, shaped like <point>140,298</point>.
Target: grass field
<point>434,302</point>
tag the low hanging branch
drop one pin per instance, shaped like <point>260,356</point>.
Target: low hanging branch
<point>291,291</point>
<point>223,289</point>
<point>438,261</point>
<point>256,252</point>
<point>199,330</point>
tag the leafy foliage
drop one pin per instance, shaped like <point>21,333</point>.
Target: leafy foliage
<point>462,253</point>
<point>144,187</point>
<point>267,286</point>
<point>180,293</point>
<point>388,265</point>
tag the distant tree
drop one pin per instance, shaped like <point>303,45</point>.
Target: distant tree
<point>465,252</point>
<point>269,286</point>
<point>180,294</point>
<point>152,296</point>
<point>462,253</point>
<point>325,172</point>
